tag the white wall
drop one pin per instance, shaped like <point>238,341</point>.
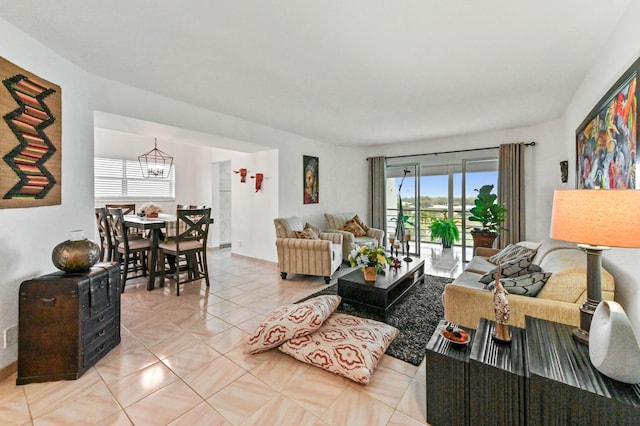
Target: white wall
<point>623,48</point>
<point>27,236</point>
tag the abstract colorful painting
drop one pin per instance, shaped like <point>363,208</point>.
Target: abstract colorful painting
<point>606,141</point>
<point>30,139</point>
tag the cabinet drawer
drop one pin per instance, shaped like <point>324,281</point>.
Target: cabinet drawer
<point>99,329</point>
<point>99,347</point>
<point>98,321</point>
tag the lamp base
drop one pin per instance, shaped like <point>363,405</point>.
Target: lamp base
<point>594,293</point>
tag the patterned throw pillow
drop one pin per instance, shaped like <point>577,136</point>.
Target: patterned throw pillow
<point>307,234</point>
<point>510,252</point>
<point>525,285</point>
<point>294,320</point>
<point>345,345</point>
<point>359,221</point>
<point>313,228</point>
<point>354,228</point>
<point>512,268</point>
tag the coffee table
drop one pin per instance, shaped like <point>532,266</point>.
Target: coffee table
<point>381,294</point>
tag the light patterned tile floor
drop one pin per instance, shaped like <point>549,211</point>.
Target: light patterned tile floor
<point>181,362</point>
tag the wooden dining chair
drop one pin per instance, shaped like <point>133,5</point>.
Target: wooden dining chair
<point>130,253</point>
<point>126,208</point>
<point>189,248</point>
<point>106,236</point>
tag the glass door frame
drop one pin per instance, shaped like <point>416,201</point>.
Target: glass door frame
<point>414,169</point>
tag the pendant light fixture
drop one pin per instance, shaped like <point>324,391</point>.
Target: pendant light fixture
<point>155,164</point>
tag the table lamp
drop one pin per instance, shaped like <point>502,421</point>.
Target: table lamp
<point>596,220</point>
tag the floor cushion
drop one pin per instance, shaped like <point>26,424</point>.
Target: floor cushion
<point>346,345</point>
<point>293,320</point>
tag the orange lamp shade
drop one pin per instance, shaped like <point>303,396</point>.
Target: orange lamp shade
<point>608,218</point>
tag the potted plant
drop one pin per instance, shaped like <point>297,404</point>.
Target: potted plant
<point>490,214</point>
<point>445,229</point>
<point>371,260</point>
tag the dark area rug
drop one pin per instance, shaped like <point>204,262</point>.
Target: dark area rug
<point>416,316</point>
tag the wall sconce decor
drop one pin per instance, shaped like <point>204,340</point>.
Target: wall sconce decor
<point>258,177</point>
<point>564,171</point>
<point>243,174</point>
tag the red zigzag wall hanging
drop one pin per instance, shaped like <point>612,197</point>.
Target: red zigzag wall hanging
<point>30,139</point>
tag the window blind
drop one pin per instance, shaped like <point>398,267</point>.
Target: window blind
<point>117,179</point>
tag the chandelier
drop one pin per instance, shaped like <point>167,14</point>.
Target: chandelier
<point>155,163</point>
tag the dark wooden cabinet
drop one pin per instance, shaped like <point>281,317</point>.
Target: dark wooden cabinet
<point>67,322</point>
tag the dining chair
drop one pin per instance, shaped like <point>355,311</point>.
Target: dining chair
<point>126,208</point>
<point>128,252</point>
<point>105,234</point>
<point>189,248</point>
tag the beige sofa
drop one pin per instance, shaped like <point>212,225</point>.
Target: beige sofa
<point>466,301</point>
<point>320,257</point>
<point>335,221</point>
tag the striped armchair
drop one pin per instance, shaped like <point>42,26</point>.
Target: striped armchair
<point>302,256</point>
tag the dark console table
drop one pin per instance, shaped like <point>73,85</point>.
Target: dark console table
<point>498,377</point>
<point>447,368</point>
<point>544,377</point>
<point>566,389</point>
<point>67,322</point>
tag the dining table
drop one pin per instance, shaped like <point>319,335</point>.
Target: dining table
<point>154,225</point>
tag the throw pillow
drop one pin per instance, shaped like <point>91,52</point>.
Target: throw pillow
<point>525,285</point>
<point>313,228</point>
<point>512,268</point>
<point>294,320</point>
<point>345,345</point>
<point>354,228</point>
<point>307,233</point>
<point>510,252</point>
<point>359,221</point>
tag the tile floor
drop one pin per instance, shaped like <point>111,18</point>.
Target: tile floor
<point>181,362</point>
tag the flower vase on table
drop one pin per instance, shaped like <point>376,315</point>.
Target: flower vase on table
<point>370,273</point>
<point>371,260</point>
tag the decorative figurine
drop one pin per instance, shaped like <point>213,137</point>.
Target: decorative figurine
<point>258,177</point>
<point>502,309</point>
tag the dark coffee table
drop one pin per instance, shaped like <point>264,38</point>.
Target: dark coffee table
<point>385,291</point>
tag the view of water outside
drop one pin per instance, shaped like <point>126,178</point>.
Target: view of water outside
<point>434,200</point>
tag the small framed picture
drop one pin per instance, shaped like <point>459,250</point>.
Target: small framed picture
<point>310,174</point>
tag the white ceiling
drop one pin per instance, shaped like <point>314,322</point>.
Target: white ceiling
<point>354,72</point>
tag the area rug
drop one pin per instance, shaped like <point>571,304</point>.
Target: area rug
<point>416,316</point>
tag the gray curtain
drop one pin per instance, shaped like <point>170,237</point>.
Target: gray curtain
<point>377,193</point>
<point>511,192</point>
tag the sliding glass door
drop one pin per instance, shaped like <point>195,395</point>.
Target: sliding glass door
<point>445,187</point>
<point>475,173</point>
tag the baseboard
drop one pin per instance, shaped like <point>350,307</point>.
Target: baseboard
<point>255,259</point>
<point>8,370</point>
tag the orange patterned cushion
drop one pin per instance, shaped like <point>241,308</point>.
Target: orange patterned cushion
<point>354,228</point>
<point>359,221</point>
<point>345,345</point>
<point>289,321</point>
<point>307,234</point>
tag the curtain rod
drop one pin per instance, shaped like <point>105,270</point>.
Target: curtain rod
<point>453,152</point>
